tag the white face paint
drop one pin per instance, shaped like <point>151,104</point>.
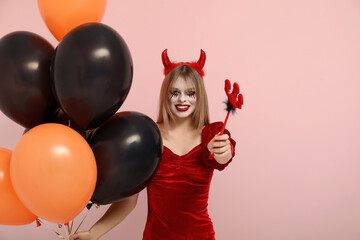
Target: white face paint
<point>182,98</point>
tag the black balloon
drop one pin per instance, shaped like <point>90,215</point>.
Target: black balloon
<point>92,74</point>
<point>128,149</point>
<point>25,91</point>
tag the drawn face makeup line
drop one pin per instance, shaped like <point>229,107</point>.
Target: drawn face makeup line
<point>175,93</point>
<point>182,98</point>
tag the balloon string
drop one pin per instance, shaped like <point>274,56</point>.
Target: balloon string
<point>68,227</point>
<point>59,235</point>
<point>67,231</point>
<point>71,226</point>
<point>81,222</point>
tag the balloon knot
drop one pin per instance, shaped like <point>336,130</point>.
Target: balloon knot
<point>38,224</point>
<point>89,205</point>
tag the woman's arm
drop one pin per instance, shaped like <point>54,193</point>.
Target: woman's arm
<point>116,213</point>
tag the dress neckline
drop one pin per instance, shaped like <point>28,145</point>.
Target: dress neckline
<point>186,154</point>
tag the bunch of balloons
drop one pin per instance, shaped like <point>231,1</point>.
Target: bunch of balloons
<point>75,148</point>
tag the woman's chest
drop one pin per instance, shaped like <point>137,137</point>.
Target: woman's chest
<point>181,145</point>
<point>188,168</point>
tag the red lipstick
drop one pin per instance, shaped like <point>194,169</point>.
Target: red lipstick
<point>182,108</point>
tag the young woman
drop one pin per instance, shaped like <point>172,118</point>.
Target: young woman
<point>178,193</point>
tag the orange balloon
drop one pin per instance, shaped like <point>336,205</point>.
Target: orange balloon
<point>12,211</point>
<point>53,171</point>
<point>61,16</point>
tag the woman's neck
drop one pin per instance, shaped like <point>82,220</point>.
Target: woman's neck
<point>180,124</point>
<point>180,136</point>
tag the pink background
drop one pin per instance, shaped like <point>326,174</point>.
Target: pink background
<point>296,172</point>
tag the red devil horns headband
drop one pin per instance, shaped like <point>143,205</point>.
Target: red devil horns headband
<point>198,66</point>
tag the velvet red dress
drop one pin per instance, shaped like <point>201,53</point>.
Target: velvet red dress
<point>178,193</point>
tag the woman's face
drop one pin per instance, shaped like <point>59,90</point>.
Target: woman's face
<point>182,98</point>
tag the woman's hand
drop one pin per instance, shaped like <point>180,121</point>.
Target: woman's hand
<point>220,148</point>
<point>117,212</point>
<point>83,236</point>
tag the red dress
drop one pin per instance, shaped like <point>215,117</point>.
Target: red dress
<point>178,193</point>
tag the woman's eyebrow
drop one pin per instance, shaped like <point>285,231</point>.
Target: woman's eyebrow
<point>188,89</point>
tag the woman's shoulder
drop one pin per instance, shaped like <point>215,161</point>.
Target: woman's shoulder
<point>214,126</point>
<point>161,128</point>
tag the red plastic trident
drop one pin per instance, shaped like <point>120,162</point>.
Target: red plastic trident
<point>235,100</point>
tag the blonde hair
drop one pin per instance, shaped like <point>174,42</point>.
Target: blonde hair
<point>200,116</point>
